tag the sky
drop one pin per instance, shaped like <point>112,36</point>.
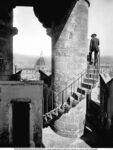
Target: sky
<point>101,23</point>
<point>32,38</point>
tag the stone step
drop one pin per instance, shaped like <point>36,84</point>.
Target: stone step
<point>90,80</point>
<point>72,101</point>
<point>93,76</point>
<point>86,85</point>
<point>82,90</point>
<point>71,124</point>
<point>94,71</point>
<point>77,96</point>
<point>91,66</point>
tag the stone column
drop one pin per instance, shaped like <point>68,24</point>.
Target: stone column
<point>70,45</point>
<point>6,45</point>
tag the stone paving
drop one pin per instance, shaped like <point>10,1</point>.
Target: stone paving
<point>53,140</point>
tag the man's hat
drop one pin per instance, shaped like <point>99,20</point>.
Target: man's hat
<point>93,35</point>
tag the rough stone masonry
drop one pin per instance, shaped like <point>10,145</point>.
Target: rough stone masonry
<point>69,48</point>
<point>70,45</point>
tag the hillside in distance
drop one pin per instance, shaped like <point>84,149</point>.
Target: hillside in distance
<point>29,61</point>
<point>106,60</point>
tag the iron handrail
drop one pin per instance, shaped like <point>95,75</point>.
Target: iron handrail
<point>71,86</point>
<point>74,78</point>
<point>62,93</point>
<point>81,74</point>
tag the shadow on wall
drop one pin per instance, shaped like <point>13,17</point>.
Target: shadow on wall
<point>98,129</point>
<point>97,140</point>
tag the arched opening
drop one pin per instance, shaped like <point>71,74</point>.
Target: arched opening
<point>30,42</point>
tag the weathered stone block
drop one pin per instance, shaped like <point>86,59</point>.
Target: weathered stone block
<point>21,102</point>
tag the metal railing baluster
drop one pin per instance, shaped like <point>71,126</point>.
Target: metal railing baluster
<point>64,94</point>
<point>47,104</point>
<point>81,83</point>
<point>62,97</point>
<point>52,99</point>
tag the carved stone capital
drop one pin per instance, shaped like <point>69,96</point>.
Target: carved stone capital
<point>7,31</point>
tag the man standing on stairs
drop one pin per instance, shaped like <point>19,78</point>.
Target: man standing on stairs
<point>94,47</point>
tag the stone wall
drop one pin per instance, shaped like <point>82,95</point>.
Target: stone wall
<point>70,45</point>
<point>71,124</point>
<point>12,91</point>
<point>70,48</point>
<point>7,31</point>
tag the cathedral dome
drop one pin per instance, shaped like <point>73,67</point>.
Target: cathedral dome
<point>40,61</point>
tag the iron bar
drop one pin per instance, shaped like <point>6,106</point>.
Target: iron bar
<point>71,89</point>
<point>47,104</point>
<point>81,83</point>
<point>52,100</point>
<point>62,97</point>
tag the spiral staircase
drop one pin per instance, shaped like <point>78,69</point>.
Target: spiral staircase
<point>63,118</point>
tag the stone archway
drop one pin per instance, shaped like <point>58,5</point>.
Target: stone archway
<point>67,21</point>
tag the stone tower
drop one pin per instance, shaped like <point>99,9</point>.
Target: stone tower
<point>69,50</point>
<point>70,45</point>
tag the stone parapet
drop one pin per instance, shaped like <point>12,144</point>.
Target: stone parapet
<point>21,102</point>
